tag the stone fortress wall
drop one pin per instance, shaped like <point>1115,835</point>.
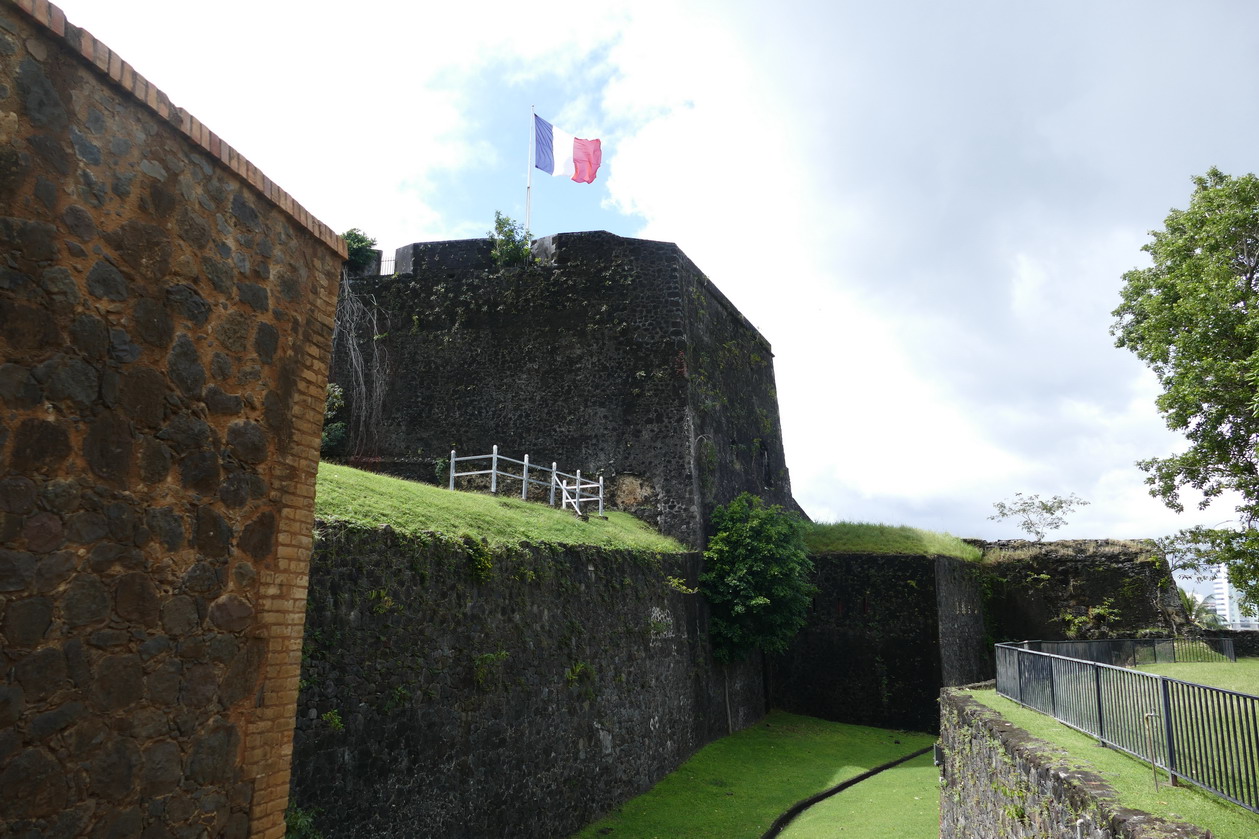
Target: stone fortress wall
<point>165,322</point>
<point>611,355</point>
<point>456,691</point>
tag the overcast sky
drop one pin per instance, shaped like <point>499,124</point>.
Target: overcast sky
<point>925,207</point>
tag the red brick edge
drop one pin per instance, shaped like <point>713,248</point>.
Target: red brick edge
<point>108,63</point>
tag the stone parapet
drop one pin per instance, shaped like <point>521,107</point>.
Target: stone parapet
<point>999,781</point>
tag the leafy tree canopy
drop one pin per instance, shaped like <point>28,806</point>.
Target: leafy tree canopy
<point>360,246</point>
<point>1036,516</point>
<point>1193,317</point>
<point>511,242</point>
<point>756,578</point>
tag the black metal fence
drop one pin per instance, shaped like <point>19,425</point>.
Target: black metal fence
<point>1204,735</point>
<point>1130,652</point>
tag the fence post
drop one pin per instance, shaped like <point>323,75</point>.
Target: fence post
<point>494,471</point>
<point>600,496</point>
<point>452,469</point>
<point>1167,728</point>
<point>552,501</point>
<point>1053,694</point>
<point>524,482</point>
<point>577,501</point>
<point>1097,681</point>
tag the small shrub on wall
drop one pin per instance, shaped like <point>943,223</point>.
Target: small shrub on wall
<point>756,578</point>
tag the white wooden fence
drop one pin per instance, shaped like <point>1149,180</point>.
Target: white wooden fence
<point>573,490</point>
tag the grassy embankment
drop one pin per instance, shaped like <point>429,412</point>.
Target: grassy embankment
<point>735,787</point>
<point>865,538</point>
<point>345,494</point>
<point>1132,780</point>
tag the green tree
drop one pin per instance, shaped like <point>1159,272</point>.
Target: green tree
<point>332,442</point>
<point>510,242</point>
<point>1037,516</point>
<point>360,246</point>
<point>1199,611</point>
<point>1193,317</point>
<point>756,578</point>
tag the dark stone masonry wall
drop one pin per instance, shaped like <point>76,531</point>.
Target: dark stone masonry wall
<point>611,355</point>
<point>1085,588</point>
<point>999,781</point>
<point>165,329</point>
<point>884,634</point>
<point>453,691</point>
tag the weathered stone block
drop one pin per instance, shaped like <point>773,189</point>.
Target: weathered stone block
<point>119,682</point>
<point>26,622</point>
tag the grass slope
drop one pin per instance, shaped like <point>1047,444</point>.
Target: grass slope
<point>1132,780</point>
<point>345,494</point>
<point>864,538</point>
<point>1241,676</point>
<point>735,787</point>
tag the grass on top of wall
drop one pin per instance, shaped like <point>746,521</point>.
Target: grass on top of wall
<point>866,538</point>
<point>735,787</point>
<point>1241,675</point>
<point>346,494</point>
<point>1132,780</point>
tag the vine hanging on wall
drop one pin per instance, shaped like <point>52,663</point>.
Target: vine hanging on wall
<point>357,323</point>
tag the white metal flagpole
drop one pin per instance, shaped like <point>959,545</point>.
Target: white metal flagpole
<point>529,169</point>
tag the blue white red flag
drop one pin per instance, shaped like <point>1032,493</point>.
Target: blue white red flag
<point>561,154</point>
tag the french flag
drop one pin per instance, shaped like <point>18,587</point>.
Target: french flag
<point>563,155</point>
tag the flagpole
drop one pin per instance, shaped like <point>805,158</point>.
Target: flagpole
<point>529,169</point>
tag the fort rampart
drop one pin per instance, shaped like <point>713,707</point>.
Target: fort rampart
<point>611,355</point>
<point>451,690</point>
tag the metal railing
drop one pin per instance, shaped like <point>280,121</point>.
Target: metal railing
<point>1130,652</point>
<point>386,267</point>
<point>573,490</point>
<point>1204,735</point>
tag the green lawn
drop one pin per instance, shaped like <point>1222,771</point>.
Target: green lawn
<point>735,787</point>
<point>901,803</point>
<point>346,494</point>
<point>1131,779</point>
<point>865,538</point>
<point>1241,675</point>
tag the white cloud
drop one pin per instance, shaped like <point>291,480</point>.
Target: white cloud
<point>926,210</point>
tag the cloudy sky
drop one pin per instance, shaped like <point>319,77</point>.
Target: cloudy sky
<point>925,207</point>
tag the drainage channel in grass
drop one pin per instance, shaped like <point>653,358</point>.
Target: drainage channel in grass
<point>737,786</point>
<point>901,803</point>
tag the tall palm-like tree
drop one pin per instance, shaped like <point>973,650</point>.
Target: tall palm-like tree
<point>1199,610</point>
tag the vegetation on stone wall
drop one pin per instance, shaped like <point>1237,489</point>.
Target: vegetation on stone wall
<point>360,246</point>
<point>757,578</point>
<point>866,538</point>
<point>346,494</point>
<point>510,242</point>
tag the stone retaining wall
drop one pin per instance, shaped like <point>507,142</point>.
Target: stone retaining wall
<point>999,781</point>
<point>165,325</point>
<point>453,691</point>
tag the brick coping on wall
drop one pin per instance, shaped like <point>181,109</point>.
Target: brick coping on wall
<point>122,74</point>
